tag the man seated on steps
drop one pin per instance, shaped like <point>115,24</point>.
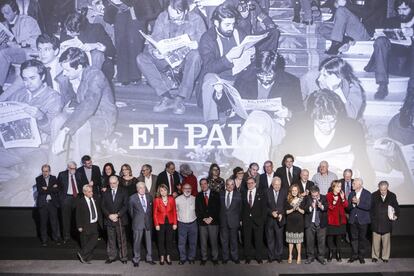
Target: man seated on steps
<point>173,85</point>
<point>389,58</point>
<point>353,22</point>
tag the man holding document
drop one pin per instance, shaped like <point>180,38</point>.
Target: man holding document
<point>225,51</point>
<point>172,74</point>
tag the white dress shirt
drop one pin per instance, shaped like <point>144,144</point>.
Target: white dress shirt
<point>253,195</point>
<point>269,179</point>
<point>287,174</point>
<point>91,204</point>
<point>70,191</point>
<point>230,195</point>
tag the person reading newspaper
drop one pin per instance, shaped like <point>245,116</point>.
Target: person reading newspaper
<point>225,51</point>
<point>390,56</point>
<point>265,97</point>
<point>171,61</point>
<point>25,31</point>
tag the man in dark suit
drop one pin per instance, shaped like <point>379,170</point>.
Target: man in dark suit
<point>114,210</point>
<point>359,218</point>
<point>90,174</point>
<point>207,208</point>
<point>304,183</point>
<point>149,179</point>
<point>70,188</point>
<point>267,177</point>
<point>276,219</point>
<point>346,182</point>
<point>288,172</point>
<point>88,219</point>
<point>253,219</point>
<point>230,216</point>
<point>252,171</point>
<point>48,203</point>
<point>171,178</point>
<point>316,221</point>
<point>140,210</point>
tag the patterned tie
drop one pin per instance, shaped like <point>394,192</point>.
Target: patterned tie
<point>206,198</point>
<point>250,199</point>
<point>171,184</point>
<point>317,219</point>
<point>74,190</point>
<point>92,208</point>
<point>143,203</point>
<point>347,189</point>
<point>113,195</point>
<point>290,177</point>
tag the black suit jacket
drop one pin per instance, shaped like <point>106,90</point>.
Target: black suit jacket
<point>279,206</point>
<point>83,216</point>
<point>343,184</point>
<point>281,172</point>
<point>63,180</point>
<point>52,191</point>
<point>264,185</point>
<point>307,187</point>
<point>212,210</point>
<point>230,217</point>
<point>162,178</point>
<point>323,213</point>
<point>119,206</point>
<point>257,213</point>
<point>96,177</point>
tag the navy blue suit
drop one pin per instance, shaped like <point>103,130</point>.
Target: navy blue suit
<point>359,219</point>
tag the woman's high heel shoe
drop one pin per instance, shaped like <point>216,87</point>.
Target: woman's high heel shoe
<point>168,261</point>
<point>290,260</point>
<point>162,260</point>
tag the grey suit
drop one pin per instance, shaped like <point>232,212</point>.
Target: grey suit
<point>141,223</point>
<point>230,224</point>
<point>153,189</point>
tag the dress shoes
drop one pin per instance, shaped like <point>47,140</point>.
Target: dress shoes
<point>385,261</point>
<point>224,262</point>
<point>361,261</point>
<point>279,261</point>
<point>124,261</point>
<point>338,256</point>
<point>215,262</point>
<point>168,262</point>
<point>135,264</point>
<point>150,262</point>
<point>236,262</point>
<point>203,262</point>
<point>181,262</point>
<point>44,244</point>
<point>321,261</point>
<point>162,262</point>
<point>109,261</point>
<point>269,261</point>
<point>259,261</point>
<point>374,260</point>
<point>352,259</point>
<point>309,261</point>
<point>247,261</point>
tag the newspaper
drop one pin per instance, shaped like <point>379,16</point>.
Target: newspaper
<point>248,52</point>
<point>173,49</point>
<point>5,36</point>
<point>396,36</point>
<point>241,106</point>
<point>17,128</point>
<point>391,212</point>
<point>74,42</point>
<point>209,3</point>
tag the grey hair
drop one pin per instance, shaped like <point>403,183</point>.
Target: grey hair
<point>72,163</point>
<point>276,178</point>
<point>86,187</point>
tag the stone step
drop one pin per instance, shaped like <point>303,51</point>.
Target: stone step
<point>287,13</point>
<point>381,109</point>
<point>397,86</point>
<point>358,63</point>
<point>361,48</point>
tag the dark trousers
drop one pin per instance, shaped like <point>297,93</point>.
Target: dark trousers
<point>68,208</point>
<point>334,242</point>
<point>391,58</point>
<point>165,239</point>
<point>209,233</point>
<point>271,42</point>
<point>274,238</point>
<point>131,42</point>
<point>251,230</point>
<point>49,212</point>
<point>187,232</point>
<point>311,233</point>
<point>116,239</point>
<point>88,241</point>
<point>358,239</point>
<point>228,238</point>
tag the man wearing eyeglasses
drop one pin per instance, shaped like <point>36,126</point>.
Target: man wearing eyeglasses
<point>149,179</point>
<point>71,189</point>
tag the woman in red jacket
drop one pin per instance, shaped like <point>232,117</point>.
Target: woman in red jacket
<point>336,219</point>
<point>165,221</point>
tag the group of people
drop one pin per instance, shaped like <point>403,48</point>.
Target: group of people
<point>278,206</point>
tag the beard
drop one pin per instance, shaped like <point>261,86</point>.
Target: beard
<point>406,18</point>
<point>225,33</point>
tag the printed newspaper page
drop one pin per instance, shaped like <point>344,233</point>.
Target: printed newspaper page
<point>396,36</point>
<point>74,42</point>
<point>17,128</point>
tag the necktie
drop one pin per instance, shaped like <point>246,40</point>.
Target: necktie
<point>74,190</point>
<point>144,204</point>
<point>276,196</point>
<point>206,198</point>
<point>250,199</point>
<point>48,76</point>
<point>317,220</point>
<point>171,184</point>
<point>93,212</point>
<point>347,189</point>
<point>113,195</point>
<point>228,200</point>
<point>290,177</point>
